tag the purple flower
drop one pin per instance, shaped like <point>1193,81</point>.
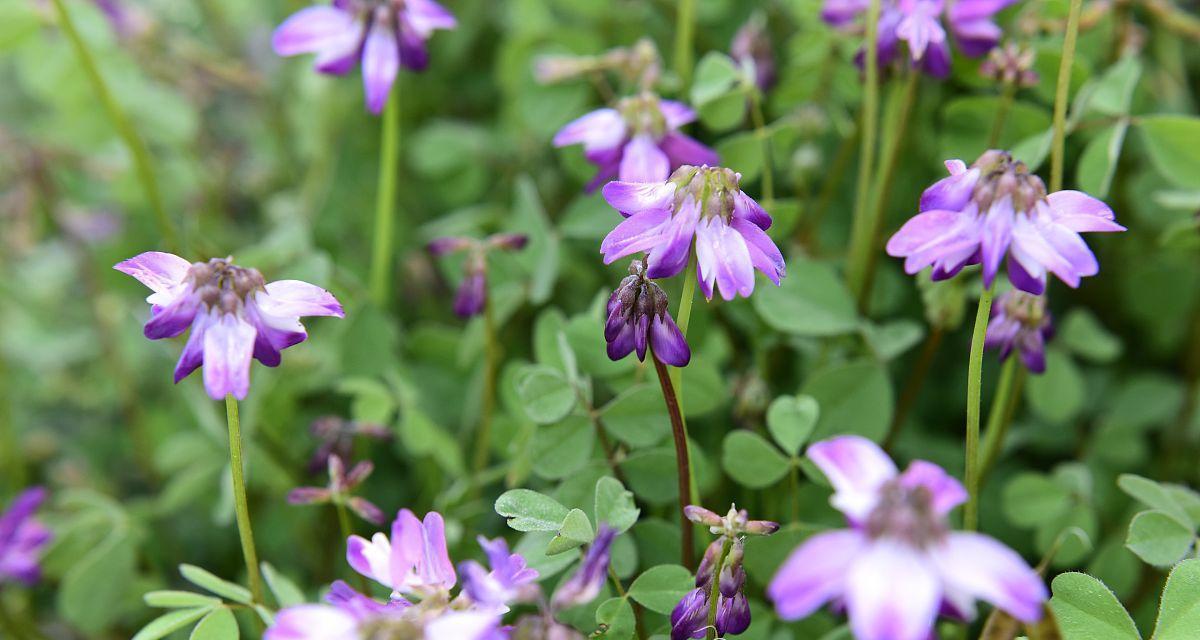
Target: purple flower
<point>637,141</point>
<point>233,314</point>
<point>704,203</point>
<point>341,486</point>
<point>899,564</point>
<point>414,560</point>
<point>919,24</point>
<point>996,209</point>
<point>689,618</point>
<point>384,35</point>
<point>22,538</point>
<point>736,522</point>
<point>472,292</point>
<point>1022,321</point>
<point>751,47</point>
<point>638,316</point>
<point>1011,65</point>
<point>584,586</point>
<point>508,582</point>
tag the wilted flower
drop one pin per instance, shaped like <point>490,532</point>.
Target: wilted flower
<point>997,208</point>
<point>637,141</point>
<point>584,586</point>
<point>751,47</point>
<point>1020,321</point>
<point>508,582</point>
<point>899,564</point>
<point>414,560</point>
<point>340,490</point>
<point>233,314</point>
<point>22,538</point>
<point>919,24</point>
<point>1010,64</point>
<point>472,293</point>
<point>383,34</point>
<point>638,316</point>
<point>337,438</point>
<point>704,203</point>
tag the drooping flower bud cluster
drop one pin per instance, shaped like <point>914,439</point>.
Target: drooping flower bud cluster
<point>638,318</point>
<point>1021,321</point>
<point>1011,64</point>
<point>472,292</point>
<point>640,65</point>
<point>340,490</point>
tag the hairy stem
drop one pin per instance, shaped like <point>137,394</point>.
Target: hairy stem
<point>866,157</point>
<point>385,203</point>
<point>241,506</point>
<point>683,466</point>
<point>714,594</point>
<point>974,385</point>
<point>1062,96</point>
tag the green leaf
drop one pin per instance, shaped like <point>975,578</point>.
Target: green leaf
<point>171,622</point>
<point>812,301</point>
<point>890,340</point>
<point>614,504</point>
<point>661,588</point>
<point>637,416</point>
<point>1057,396</point>
<point>616,614</point>
<point>421,436</point>
<point>1179,611</point>
<point>1113,94</point>
<point>179,600</point>
<point>531,511</point>
<point>854,397</point>
<point>217,625</point>
<point>540,257</point>
<point>209,582</point>
<point>545,394</point>
<point>286,593</point>
<point>966,124</point>
<point>1158,538</point>
<point>1171,141</point>
<point>1155,495</point>
<point>1083,334</point>
<point>716,74</point>
<point>80,600</point>
<point>791,420</point>
<point>1098,164</point>
<point>560,450</point>
<point>751,461</point>
<point>1031,499</point>
<point>1087,610</point>
<point>744,151</point>
<point>576,531</point>
<point>724,112</point>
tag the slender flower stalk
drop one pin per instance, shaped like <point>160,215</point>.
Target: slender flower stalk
<point>714,595</point>
<point>382,260</point>
<point>241,505</point>
<point>120,121</point>
<point>685,26</point>
<point>483,437</point>
<point>974,384</point>
<point>764,142</point>
<point>868,125</point>
<point>683,468</point>
<point>1062,96</point>
<point>1008,390</point>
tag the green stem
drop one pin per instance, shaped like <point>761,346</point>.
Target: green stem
<point>764,141</point>
<point>1062,96</point>
<point>714,593</point>
<point>974,385</point>
<point>483,438</point>
<point>685,24</point>
<point>135,144</point>
<point>1002,109</point>
<point>10,438</point>
<point>637,609</point>
<point>1000,415</point>
<point>385,203</point>
<point>898,127</point>
<point>683,467</point>
<point>866,161</point>
<point>347,531</point>
<point>241,506</point>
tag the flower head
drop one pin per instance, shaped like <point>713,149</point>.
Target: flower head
<point>996,209</point>
<point>736,522</point>
<point>1020,321</point>
<point>636,141</point>
<point>340,490</point>
<point>919,24</point>
<point>899,563</point>
<point>704,203</point>
<point>584,586</point>
<point>22,538</point>
<point>638,316</point>
<point>383,34</point>
<point>509,581</point>
<point>1011,65</point>
<point>472,292</point>
<point>233,314</point>
<point>414,560</point>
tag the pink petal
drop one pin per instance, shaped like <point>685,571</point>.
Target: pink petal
<point>228,345</point>
<point>371,558</point>
<point>764,255</point>
<point>632,197</point>
<point>815,573</point>
<point>973,565</point>
<point>643,161</point>
<point>892,593</point>
<point>436,568</point>
<point>681,150</point>
<point>946,490</point>
<point>600,129</point>
<point>746,208</point>
<point>639,232</point>
<point>997,234</point>
<point>675,113</point>
<point>952,193</point>
<point>313,30</point>
<point>1080,212</point>
<point>857,468</point>
<point>426,15</point>
<point>156,269</point>
<point>719,246</point>
<point>670,255</point>
<point>313,622</point>
<point>381,63</point>
<point>295,298</point>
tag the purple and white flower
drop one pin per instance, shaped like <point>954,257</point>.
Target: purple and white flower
<point>638,317</point>
<point>997,209</point>
<point>472,292</point>
<point>22,538</point>
<point>919,24</point>
<point>899,564</point>
<point>509,581</point>
<point>701,203</point>
<point>636,141</point>
<point>1020,321</point>
<point>585,584</point>
<point>233,314</point>
<point>383,34</point>
<point>689,618</point>
<point>414,560</point>
<point>751,47</point>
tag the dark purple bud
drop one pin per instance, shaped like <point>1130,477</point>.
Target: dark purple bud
<point>689,616</point>
<point>508,241</point>
<point>733,576</point>
<point>472,294</point>
<point>452,244</point>
<point>309,495</point>
<point>584,586</point>
<point>704,573</point>
<point>733,615</point>
<point>366,510</point>
<point>638,319</point>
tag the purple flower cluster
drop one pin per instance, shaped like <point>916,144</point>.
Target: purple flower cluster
<point>997,209</point>
<point>1020,321</point>
<point>636,141</point>
<point>22,538</point>
<point>898,565</point>
<point>414,561</point>
<point>382,35</point>
<point>472,293</point>
<point>700,203</point>
<point>919,24</point>
<point>340,490</point>
<point>233,314</point>
<point>638,317</point>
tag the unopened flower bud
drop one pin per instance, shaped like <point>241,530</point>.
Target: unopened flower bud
<point>366,510</point>
<point>447,245</point>
<point>703,516</point>
<point>508,241</point>
<point>309,495</point>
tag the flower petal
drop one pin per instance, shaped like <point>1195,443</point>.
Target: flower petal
<point>764,255</point>
<point>426,15</point>
<point>380,63</point>
<point>951,193</point>
<point>996,236</point>
<point>643,161</point>
<point>174,318</point>
<point>973,565</point>
<point>892,593</point>
<point>857,468</point>
<point>815,573</point>
<point>313,622</point>
<point>371,558</point>
<point>600,129</point>
<point>668,342</point>
<point>313,30</point>
<point>193,352</point>
<point>670,255</point>
<point>722,249</point>
<point>1081,213</point>
<point>295,298</point>
<point>676,113</point>
<point>746,208</point>
<point>634,197</point>
<point>682,149</point>
<point>946,490</point>
<point>228,345</point>
<point>639,232</point>
<point>158,270</point>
